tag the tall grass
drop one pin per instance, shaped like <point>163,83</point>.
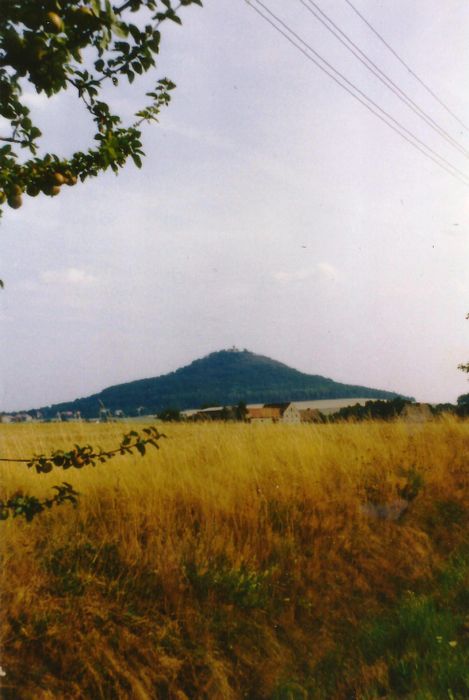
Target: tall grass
<point>242,561</point>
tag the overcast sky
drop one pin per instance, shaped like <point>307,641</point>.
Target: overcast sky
<point>273,212</point>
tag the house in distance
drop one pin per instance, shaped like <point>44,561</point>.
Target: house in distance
<point>284,412</point>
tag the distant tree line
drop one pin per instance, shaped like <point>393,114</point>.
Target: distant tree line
<point>389,410</point>
<point>462,408</point>
<point>381,410</point>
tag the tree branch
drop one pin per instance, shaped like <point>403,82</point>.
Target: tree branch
<point>11,139</point>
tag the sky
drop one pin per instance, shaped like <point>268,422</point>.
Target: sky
<point>274,212</point>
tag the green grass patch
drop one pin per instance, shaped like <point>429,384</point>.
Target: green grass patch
<point>418,650</point>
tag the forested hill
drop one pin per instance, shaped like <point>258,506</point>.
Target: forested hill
<point>220,379</point>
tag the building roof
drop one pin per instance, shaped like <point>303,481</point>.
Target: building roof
<point>267,412</point>
<point>328,406</point>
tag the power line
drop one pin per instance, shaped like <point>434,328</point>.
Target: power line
<point>378,73</point>
<point>428,89</point>
<point>399,129</point>
<point>395,125</point>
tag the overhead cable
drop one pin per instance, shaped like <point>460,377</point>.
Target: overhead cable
<point>388,46</point>
<point>378,73</point>
<point>361,97</point>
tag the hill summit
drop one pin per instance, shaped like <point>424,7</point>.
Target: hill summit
<point>222,378</point>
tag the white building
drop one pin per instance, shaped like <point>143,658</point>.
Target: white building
<point>306,411</point>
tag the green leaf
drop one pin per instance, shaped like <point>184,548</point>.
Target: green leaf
<point>174,17</point>
<point>154,43</point>
<point>137,160</point>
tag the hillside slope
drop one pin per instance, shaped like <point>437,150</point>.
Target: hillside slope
<point>222,378</point>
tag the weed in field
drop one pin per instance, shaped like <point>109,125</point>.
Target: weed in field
<point>423,640</point>
<point>242,587</point>
<point>290,691</point>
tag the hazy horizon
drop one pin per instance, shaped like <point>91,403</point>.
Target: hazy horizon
<point>273,212</point>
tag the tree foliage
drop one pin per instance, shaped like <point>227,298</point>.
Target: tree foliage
<point>80,45</point>
<point>22,505</point>
<point>463,400</point>
<point>372,410</point>
<point>464,368</point>
<point>170,415</point>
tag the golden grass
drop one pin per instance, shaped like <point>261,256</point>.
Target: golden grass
<point>226,563</point>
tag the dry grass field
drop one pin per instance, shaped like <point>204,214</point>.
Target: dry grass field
<point>265,562</point>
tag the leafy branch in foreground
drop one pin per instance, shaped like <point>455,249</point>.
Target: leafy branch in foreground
<point>85,455</point>
<point>20,505</point>
<point>49,46</point>
<point>80,456</point>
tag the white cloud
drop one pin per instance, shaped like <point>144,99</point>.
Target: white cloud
<point>302,274</point>
<point>328,272</point>
<point>322,270</point>
<point>456,231</point>
<point>71,276</point>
